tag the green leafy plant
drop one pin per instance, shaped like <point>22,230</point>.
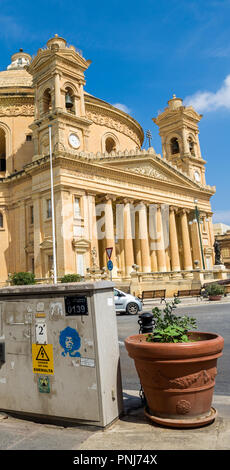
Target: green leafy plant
<point>71,278</point>
<point>22,279</point>
<point>214,289</point>
<point>170,328</point>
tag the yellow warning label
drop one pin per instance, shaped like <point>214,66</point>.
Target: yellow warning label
<point>42,356</point>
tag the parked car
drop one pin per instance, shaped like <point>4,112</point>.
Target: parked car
<point>126,303</point>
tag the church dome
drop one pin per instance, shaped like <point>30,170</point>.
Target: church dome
<point>16,76</point>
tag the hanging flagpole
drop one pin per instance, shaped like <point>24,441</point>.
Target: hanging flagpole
<point>52,207</point>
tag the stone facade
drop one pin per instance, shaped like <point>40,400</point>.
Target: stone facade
<point>224,242</point>
<point>105,185</point>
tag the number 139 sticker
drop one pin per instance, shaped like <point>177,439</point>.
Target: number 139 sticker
<point>41,333</point>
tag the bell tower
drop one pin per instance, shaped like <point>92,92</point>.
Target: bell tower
<point>58,80</point>
<point>178,128</point>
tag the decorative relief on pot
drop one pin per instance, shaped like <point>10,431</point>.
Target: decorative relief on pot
<point>183,407</point>
<point>193,380</point>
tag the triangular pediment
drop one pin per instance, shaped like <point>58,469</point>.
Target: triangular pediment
<point>146,168</point>
<point>153,167</point>
<point>80,244</point>
<point>44,57</point>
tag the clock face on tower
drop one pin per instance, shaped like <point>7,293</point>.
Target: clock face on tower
<point>74,141</point>
<point>197,176</point>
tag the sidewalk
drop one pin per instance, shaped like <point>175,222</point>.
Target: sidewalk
<point>133,431</point>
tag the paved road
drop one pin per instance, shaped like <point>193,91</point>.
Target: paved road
<point>210,317</point>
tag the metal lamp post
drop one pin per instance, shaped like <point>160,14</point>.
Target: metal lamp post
<point>52,206</point>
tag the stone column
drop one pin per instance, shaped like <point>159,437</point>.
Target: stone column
<point>128,241</point>
<point>153,236</point>
<point>122,257</point>
<point>63,207</point>
<point>144,239</point>
<point>82,100</point>
<point>109,231</point>
<point>211,236</point>
<point>92,226</point>
<point>174,250</point>
<point>185,142</point>
<point>22,237</point>
<point>36,108</point>
<point>161,260</point>
<point>37,237</point>
<point>186,241</point>
<point>57,90</point>
<point>195,239</point>
<point>137,244</point>
<point>86,134</point>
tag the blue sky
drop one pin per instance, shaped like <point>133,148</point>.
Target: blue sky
<point>142,52</point>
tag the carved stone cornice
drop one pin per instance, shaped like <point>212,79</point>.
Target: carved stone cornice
<point>10,109</point>
<point>112,120</point>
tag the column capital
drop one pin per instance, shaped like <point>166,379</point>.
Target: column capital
<point>184,211</point>
<point>90,193</point>
<point>173,208</point>
<point>128,200</point>
<point>110,197</point>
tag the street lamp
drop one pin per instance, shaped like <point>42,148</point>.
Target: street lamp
<point>197,218</point>
<point>52,206</point>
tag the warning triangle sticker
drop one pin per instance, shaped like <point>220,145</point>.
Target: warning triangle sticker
<point>42,355</point>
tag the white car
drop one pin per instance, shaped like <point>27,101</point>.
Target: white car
<point>126,303</point>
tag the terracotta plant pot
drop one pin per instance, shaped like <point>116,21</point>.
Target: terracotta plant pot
<point>178,378</point>
<point>215,297</point>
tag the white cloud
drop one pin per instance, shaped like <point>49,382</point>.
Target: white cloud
<point>221,217</point>
<point>209,101</point>
<point>122,107</point>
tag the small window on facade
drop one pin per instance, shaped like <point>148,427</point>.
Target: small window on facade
<point>110,145</point>
<point>76,208</point>
<point>2,150</point>
<point>48,209</point>
<point>29,138</point>
<point>1,220</point>
<point>174,145</point>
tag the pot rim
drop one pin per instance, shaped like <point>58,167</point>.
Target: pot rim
<point>204,347</point>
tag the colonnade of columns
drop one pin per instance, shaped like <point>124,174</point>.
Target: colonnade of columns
<point>155,239</point>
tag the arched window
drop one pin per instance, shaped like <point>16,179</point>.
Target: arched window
<point>69,100</point>
<point>191,146</point>
<point>2,150</point>
<point>174,144</point>
<point>47,101</point>
<point>1,220</point>
<point>110,145</point>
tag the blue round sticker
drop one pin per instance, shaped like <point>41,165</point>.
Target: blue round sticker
<point>110,265</point>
